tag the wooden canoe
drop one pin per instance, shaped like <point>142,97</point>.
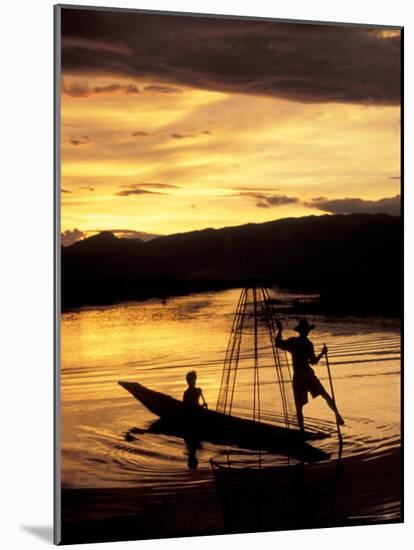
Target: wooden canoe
<point>209,425</point>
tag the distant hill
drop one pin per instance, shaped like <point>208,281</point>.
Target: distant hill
<point>353,261</point>
<point>76,235</point>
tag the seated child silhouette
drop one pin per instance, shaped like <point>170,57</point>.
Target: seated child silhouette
<point>192,394</point>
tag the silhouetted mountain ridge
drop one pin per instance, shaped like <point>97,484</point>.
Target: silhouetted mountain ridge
<point>353,256</point>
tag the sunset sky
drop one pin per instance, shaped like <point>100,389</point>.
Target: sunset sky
<point>171,124</point>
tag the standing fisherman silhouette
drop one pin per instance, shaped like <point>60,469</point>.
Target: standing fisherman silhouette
<point>304,378</point>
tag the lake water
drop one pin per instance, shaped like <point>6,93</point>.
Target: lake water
<point>104,444</point>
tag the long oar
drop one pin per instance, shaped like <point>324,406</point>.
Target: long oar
<point>333,399</point>
<point>338,464</point>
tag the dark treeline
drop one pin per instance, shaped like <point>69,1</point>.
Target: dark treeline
<point>355,263</point>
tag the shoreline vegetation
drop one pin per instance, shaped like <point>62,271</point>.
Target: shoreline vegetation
<point>351,264</point>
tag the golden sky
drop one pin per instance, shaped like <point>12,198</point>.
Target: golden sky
<point>159,155</point>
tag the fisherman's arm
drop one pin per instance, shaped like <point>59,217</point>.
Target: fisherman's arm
<point>280,343</point>
<point>316,358</point>
<point>203,400</point>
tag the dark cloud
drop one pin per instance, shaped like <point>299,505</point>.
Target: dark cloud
<point>390,205</point>
<point>128,89</point>
<point>301,62</point>
<point>83,89</point>
<point>76,89</point>
<point>144,189</point>
<point>131,89</point>
<point>87,188</point>
<point>109,88</point>
<point>160,89</point>
<point>93,45</point>
<point>81,140</point>
<point>70,236</point>
<point>150,185</point>
<point>140,133</point>
<point>183,136</point>
<point>267,201</point>
<point>159,185</point>
<point>128,192</point>
<point>65,191</point>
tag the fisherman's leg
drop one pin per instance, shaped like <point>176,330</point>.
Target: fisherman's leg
<point>332,406</point>
<point>298,405</point>
<point>299,415</point>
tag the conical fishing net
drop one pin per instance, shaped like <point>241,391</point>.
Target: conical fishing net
<point>256,380</point>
